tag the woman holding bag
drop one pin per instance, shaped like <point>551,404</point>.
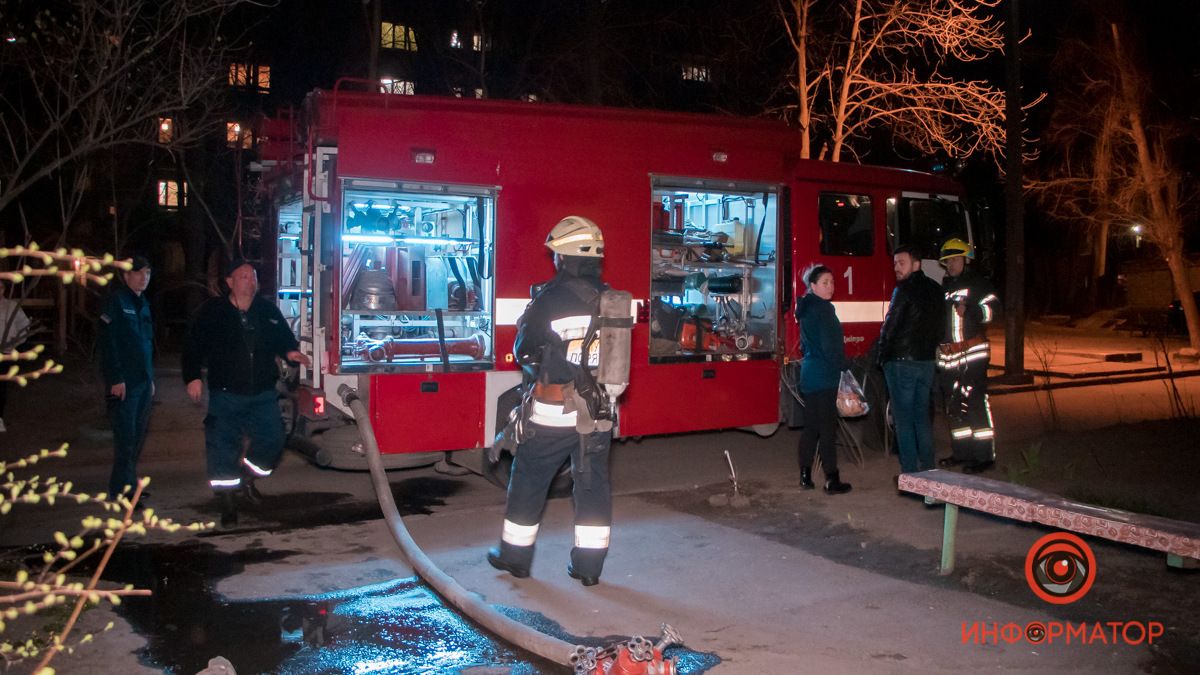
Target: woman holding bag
<point>824,360</point>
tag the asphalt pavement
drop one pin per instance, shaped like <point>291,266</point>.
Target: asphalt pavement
<point>756,604</point>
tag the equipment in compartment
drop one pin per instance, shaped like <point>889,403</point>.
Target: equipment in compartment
<point>718,323</point>
<point>389,348</point>
<point>373,290</point>
<point>384,278</point>
<point>710,294</point>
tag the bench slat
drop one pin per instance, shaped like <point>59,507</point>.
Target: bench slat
<point>1026,504</point>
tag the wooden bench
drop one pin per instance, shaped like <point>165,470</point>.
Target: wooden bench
<point>1179,540</point>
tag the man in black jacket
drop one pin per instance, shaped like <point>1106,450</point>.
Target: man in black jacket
<point>907,346</point>
<point>238,337</point>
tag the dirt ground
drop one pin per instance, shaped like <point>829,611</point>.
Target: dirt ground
<point>1148,467</point>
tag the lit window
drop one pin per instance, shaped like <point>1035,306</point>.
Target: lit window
<point>695,73</point>
<point>454,41</point>
<point>397,36</point>
<point>457,91</point>
<point>237,135</point>
<point>250,76</point>
<point>389,86</point>
<point>478,93</point>
<point>239,74</point>
<point>532,98</point>
<point>479,44</point>
<point>171,194</point>
<point>166,129</point>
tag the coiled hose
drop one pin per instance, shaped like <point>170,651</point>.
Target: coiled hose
<point>513,632</point>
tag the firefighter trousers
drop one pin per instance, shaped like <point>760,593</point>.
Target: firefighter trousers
<point>972,437</point>
<point>537,461</point>
<point>232,417</point>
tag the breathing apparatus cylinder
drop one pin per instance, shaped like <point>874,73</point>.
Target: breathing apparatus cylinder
<point>614,333</point>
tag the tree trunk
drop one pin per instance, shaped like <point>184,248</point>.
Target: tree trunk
<point>804,117</point>
<point>1177,264</point>
<point>841,109</point>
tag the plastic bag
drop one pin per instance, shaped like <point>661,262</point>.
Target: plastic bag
<point>850,399</point>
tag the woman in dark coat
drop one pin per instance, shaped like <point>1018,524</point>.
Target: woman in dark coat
<point>824,360</point>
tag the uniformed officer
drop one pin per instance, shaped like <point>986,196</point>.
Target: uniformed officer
<point>127,365</point>
<point>238,337</point>
<point>963,359</point>
<point>563,416</point>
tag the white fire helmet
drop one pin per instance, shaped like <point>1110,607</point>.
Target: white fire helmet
<point>576,235</point>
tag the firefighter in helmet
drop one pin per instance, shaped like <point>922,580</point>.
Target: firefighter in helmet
<point>963,357</point>
<point>566,414</point>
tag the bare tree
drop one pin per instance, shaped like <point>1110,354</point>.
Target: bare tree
<point>869,63</point>
<point>1116,160</point>
<point>82,77</point>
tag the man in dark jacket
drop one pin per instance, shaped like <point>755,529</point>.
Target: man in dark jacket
<point>908,344</point>
<point>238,337</point>
<point>127,364</point>
<point>556,423</point>
<point>963,359</point>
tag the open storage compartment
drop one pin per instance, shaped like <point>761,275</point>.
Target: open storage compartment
<point>416,288</point>
<point>713,273</point>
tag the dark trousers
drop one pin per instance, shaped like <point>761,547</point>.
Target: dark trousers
<point>536,463</point>
<point>129,419</point>
<point>820,429</point>
<point>909,384</point>
<point>972,438</point>
<point>232,417</point>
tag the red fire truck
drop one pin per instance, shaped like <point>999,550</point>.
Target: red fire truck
<point>410,230</point>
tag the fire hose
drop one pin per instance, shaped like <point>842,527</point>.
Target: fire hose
<point>637,656</point>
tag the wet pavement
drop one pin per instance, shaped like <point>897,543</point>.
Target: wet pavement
<point>279,512</point>
<point>400,626</point>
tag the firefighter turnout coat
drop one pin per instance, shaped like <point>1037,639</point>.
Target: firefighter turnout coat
<point>962,360</point>
<point>552,336</point>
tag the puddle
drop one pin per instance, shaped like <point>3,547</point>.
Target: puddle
<point>399,626</point>
<point>315,509</point>
<point>396,627</point>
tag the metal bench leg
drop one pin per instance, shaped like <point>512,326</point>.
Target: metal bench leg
<point>949,527</point>
<point>1181,562</point>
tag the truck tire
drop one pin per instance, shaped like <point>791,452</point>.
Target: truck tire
<point>499,471</point>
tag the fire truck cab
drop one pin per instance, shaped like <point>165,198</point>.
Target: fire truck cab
<point>410,230</point>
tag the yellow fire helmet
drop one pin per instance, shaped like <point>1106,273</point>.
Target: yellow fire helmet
<point>956,247</point>
<point>576,235</point>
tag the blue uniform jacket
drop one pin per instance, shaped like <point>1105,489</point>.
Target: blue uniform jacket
<point>126,339</point>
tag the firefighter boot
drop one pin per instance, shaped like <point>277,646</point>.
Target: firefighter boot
<point>512,559</point>
<point>586,581</point>
<point>806,482</point>
<point>228,507</point>
<point>834,485</point>
<point>250,493</point>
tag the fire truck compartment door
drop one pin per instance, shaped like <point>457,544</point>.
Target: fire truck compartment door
<point>675,398</point>
<point>428,412</point>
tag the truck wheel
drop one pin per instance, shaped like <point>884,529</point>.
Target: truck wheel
<point>497,473</point>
